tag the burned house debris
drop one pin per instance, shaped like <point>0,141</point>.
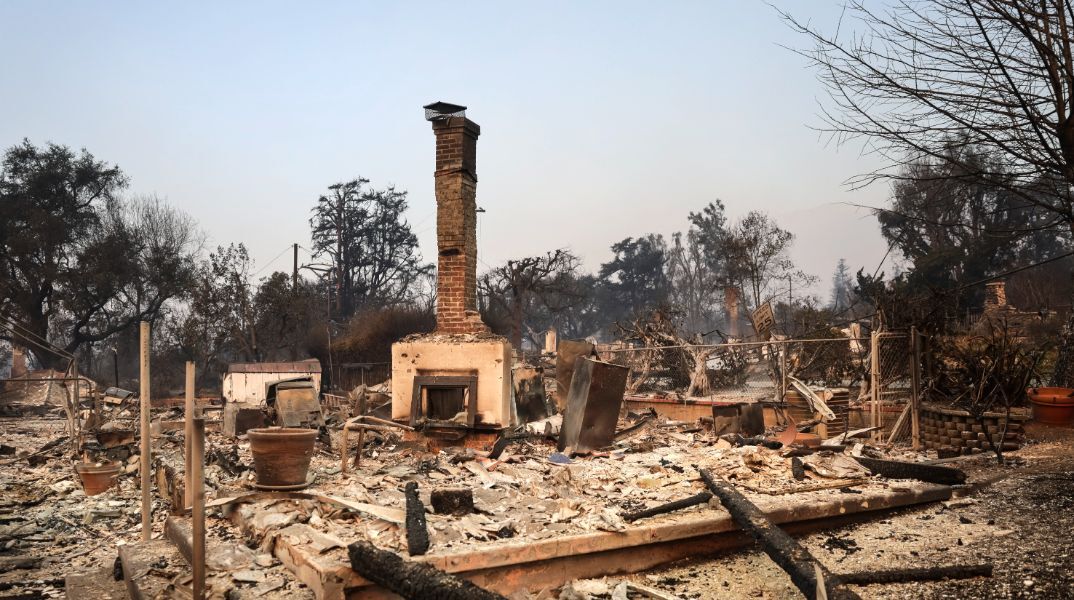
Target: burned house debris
<point>591,471</point>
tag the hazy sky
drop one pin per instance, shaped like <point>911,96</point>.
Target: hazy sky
<point>600,120</point>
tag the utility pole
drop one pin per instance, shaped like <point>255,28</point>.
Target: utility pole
<point>294,272</point>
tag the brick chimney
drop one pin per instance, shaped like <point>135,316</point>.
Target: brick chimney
<point>456,221</point>
<point>995,296</point>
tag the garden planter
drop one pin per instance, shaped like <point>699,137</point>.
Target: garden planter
<point>97,478</point>
<point>281,456</point>
<point>1052,405</point>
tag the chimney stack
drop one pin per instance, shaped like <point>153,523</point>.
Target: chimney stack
<point>456,219</point>
<point>995,296</point>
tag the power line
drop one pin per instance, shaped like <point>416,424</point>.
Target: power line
<point>29,336</point>
<point>269,263</point>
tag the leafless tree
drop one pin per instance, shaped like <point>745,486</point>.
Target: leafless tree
<point>514,285</point>
<point>928,80</point>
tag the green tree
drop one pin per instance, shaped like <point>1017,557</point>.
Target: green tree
<point>81,264</point>
<point>634,280</point>
<point>372,254</point>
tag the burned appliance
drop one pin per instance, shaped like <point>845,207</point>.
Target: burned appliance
<point>294,403</point>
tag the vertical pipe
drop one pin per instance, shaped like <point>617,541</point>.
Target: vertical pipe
<point>783,349</point>
<point>76,412</point>
<point>874,383</point>
<point>915,384</point>
<point>343,448</point>
<point>198,511</point>
<point>189,434</point>
<point>146,434</point>
<point>115,364</point>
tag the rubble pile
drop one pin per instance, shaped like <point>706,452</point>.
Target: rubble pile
<point>492,497</point>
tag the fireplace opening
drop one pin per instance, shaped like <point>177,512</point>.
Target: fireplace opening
<point>445,400</point>
<point>443,403</point>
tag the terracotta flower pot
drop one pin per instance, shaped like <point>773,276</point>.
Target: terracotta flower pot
<point>281,455</point>
<point>96,479</point>
<point>1052,405</point>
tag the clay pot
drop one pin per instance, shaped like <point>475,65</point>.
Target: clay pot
<point>96,479</point>
<point>1052,405</point>
<point>281,455</point>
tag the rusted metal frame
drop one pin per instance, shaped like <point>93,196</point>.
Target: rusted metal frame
<point>445,381</point>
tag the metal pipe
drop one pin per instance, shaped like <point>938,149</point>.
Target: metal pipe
<point>915,383</point>
<point>146,435</point>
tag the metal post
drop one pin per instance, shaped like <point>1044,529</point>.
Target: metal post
<point>915,384</point>
<point>198,511</point>
<point>146,434</point>
<point>874,383</point>
<point>343,449</point>
<point>783,350</point>
<point>189,434</point>
<point>76,412</point>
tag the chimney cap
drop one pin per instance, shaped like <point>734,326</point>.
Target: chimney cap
<point>438,111</point>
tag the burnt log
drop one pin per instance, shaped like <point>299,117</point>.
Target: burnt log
<point>897,469</point>
<point>452,501</point>
<point>797,469</point>
<point>777,544</point>
<point>917,574</point>
<point>411,579</point>
<point>673,506</point>
<point>417,530</point>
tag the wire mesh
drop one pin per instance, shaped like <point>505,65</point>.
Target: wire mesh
<point>838,370</point>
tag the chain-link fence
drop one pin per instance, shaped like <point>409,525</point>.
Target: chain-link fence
<point>842,372</point>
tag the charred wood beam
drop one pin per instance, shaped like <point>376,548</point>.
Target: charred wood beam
<point>777,544</point>
<point>411,579</point>
<point>417,531</point>
<point>673,506</point>
<point>504,441</point>
<point>917,574</point>
<point>897,469</point>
